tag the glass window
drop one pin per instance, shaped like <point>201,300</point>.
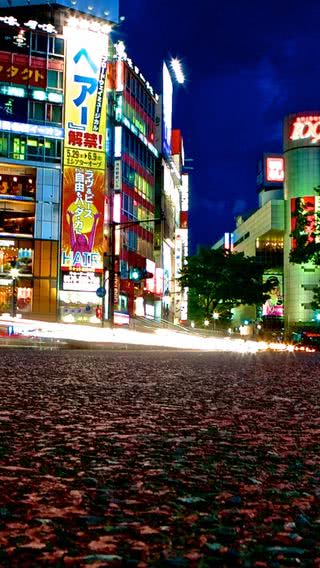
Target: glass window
<point>36,111</point>
<point>56,45</point>
<point>55,79</point>
<point>39,42</point>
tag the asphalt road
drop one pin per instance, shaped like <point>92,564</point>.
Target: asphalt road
<point>159,459</point>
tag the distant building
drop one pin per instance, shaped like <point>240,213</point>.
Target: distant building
<point>282,183</point>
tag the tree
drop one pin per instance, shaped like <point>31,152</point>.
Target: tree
<point>219,280</point>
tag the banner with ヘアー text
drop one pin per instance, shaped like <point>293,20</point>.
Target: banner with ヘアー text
<point>86,97</point>
<point>84,151</point>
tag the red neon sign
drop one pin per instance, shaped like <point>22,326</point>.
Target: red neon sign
<point>275,169</point>
<point>305,127</point>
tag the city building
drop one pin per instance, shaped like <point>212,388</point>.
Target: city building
<point>132,199</point>
<point>79,159</point>
<point>302,166</point>
<point>172,204</point>
<point>266,232</point>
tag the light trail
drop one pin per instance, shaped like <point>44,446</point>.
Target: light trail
<point>159,338</point>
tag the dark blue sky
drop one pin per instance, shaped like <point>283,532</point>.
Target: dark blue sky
<point>248,64</point>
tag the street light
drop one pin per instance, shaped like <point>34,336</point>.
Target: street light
<point>14,273</point>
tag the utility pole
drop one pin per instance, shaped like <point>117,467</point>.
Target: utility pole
<point>113,267</point>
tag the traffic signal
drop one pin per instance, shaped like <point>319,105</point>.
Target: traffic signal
<point>137,274</point>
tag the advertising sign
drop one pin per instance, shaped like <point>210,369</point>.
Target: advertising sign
<point>302,129</point>
<point>274,169</point>
<point>167,111</point>
<point>273,307</point>
<point>80,281</point>
<point>309,207</point>
<point>13,108</point>
<point>22,69</point>
<point>84,152</point>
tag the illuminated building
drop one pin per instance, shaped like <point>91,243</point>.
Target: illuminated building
<point>266,233</point>
<point>78,154</point>
<point>172,201</point>
<point>133,194</point>
<point>302,162</point>
<point>260,233</point>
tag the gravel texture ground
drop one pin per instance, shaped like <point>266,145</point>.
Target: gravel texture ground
<point>164,459</point>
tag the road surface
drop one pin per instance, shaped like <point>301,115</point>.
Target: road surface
<point>159,459</point>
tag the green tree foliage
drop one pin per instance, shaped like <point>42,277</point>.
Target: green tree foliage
<point>219,280</point>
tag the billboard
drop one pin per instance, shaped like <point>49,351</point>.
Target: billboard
<point>309,207</point>
<point>106,9</point>
<point>23,70</point>
<point>273,307</point>
<point>302,130</point>
<point>166,111</point>
<point>84,152</point>
<point>270,172</point>
<point>274,169</point>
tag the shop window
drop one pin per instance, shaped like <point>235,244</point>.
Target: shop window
<point>16,223</point>
<point>17,185</point>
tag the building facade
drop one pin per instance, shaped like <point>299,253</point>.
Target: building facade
<point>302,164</point>
<point>266,233</point>
<point>78,168</point>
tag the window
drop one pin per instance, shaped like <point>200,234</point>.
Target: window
<point>39,43</point>
<point>56,45</point>
<point>36,111</point>
<point>54,113</point>
<point>55,79</point>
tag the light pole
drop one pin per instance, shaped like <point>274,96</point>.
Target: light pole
<point>114,261</point>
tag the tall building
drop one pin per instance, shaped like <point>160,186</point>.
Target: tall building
<point>267,232</point>
<point>78,153</point>
<point>172,204</point>
<point>132,199</point>
<point>302,164</point>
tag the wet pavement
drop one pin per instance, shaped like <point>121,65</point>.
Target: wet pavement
<point>159,459</point>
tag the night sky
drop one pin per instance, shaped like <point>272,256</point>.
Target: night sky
<point>248,64</point>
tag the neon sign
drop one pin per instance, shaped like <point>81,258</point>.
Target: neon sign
<point>305,127</point>
<point>31,24</point>
<point>35,129</point>
<point>275,169</point>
